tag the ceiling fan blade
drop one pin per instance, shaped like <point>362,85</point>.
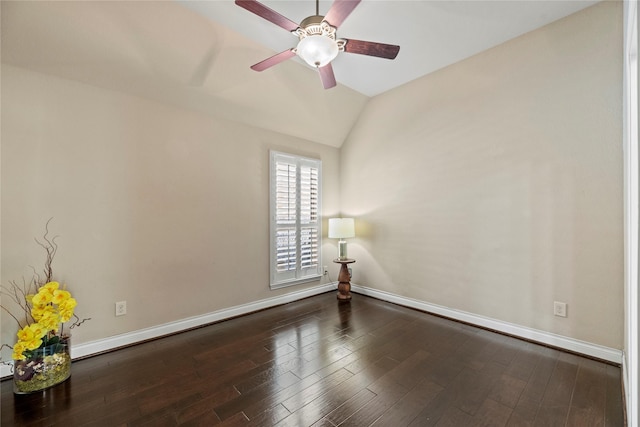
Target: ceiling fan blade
<point>339,11</point>
<point>268,14</point>
<point>327,76</point>
<point>274,60</point>
<point>381,50</point>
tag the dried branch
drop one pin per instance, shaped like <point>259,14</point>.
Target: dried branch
<point>18,294</point>
<point>51,247</point>
<point>11,314</point>
<point>78,322</point>
<point>35,278</point>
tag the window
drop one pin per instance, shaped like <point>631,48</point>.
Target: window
<point>295,219</point>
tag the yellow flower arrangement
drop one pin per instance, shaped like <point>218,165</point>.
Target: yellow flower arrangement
<point>51,307</point>
<point>45,307</point>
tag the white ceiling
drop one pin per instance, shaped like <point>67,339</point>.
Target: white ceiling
<point>431,34</point>
<point>196,54</point>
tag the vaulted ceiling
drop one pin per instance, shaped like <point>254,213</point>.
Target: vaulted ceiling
<point>196,54</point>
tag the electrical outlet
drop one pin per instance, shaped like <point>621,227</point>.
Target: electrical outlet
<point>559,309</point>
<point>326,270</point>
<point>121,308</point>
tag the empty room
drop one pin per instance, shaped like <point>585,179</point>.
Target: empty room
<point>319,213</point>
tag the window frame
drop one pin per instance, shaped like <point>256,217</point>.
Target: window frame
<point>279,279</point>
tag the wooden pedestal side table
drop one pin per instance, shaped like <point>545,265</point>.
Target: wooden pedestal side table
<point>344,279</point>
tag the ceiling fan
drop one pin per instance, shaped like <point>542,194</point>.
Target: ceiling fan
<point>317,44</point>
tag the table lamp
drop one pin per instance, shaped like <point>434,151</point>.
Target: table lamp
<point>341,228</point>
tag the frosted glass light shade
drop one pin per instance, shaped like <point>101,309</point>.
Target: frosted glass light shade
<point>341,228</point>
<point>317,50</point>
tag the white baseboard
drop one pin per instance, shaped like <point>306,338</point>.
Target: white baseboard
<point>117,341</point>
<point>111,343</point>
<point>548,338</point>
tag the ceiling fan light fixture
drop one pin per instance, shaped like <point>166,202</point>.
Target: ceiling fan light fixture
<point>318,45</point>
<point>317,50</point>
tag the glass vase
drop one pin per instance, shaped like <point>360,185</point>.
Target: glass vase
<point>43,368</point>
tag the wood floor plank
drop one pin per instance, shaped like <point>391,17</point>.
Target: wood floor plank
<point>549,415</point>
<point>436,408</point>
<point>269,416</point>
<point>524,362</point>
<point>588,402</point>
<point>507,390</point>
<point>317,362</point>
<point>492,413</point>
<point>408,373</point>
<point>443,371</point>
<point>323,422</point>
<point>197,410</point>
<point>472,389</point>
<point>225,374</point>
<point>255,394</point>
<point>266,373</point>
<point>237,420</point>
<point>372,410</point>
<point>537,384</point>
<point>318,389</point>
<point>308,413</point>
<point>454,417</point>
<point>403,412</point>
<point>559,389</point>
<point>524,413</point>
<point>255,407</point>
<point>334,366</point>
<point>614,411</point>
<point>322,361</point>
<point>350,407</point>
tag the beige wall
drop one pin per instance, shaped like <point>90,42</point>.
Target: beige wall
<point>162,207</point>
<point>494,186</point>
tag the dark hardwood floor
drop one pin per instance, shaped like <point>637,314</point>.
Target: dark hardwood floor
<point>317,362</point>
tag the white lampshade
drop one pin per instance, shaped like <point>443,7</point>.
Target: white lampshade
<point>341,228</point>
<point>317,50</point>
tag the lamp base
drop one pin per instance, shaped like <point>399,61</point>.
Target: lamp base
<point>342,249</point>
<point>344,280</point>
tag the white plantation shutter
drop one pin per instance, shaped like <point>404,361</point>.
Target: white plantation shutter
<point>286,185</point>
<point>295,219</point>
<point>309,217</point>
